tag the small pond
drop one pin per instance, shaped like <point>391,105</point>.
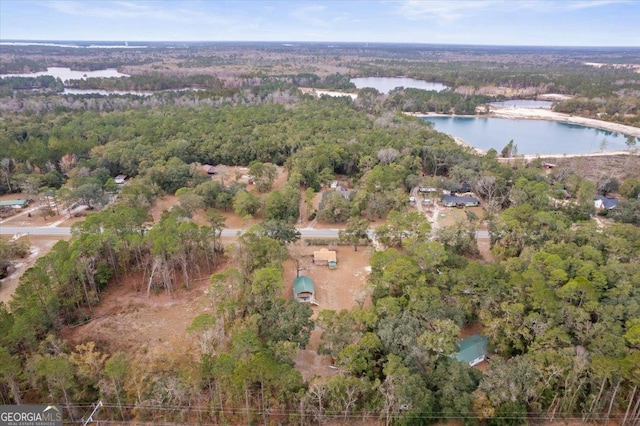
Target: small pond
<point>65,74</point>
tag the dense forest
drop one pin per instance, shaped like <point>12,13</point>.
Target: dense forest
<point>474,75</point>
<point>559,302</point>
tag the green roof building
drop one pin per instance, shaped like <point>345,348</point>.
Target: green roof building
<point>473,349</point>
<point>303,290</point>
<point>16,204</point>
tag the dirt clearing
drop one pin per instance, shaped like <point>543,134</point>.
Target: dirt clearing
<point>126,320</point>
<point>342,288</point>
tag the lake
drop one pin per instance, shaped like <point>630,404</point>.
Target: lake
<point>386,84</point>
<point>105,92</point>
<point>68,74</point>
<point>530,136</point>
<point>522,103</point>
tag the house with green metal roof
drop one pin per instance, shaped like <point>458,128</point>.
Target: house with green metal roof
<point>303,290</point>
<point>18,203</point>
<point>473,349</point>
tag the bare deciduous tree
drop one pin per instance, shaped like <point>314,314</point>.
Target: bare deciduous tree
<point>388,155</point>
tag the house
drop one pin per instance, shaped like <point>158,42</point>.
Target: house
<point>120,179</point>
<point>455,201</point>
<point>603,202</point>
<point>346,194</point>
<point>18,203</point>
<point>303,290</point>
<point>325,257</point>
<point>209,169</point>
<point>473,349</point>
<point>463,188</point>
<point>426,189</point>
<point>549,166</point>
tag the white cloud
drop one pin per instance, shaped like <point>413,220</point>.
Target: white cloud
<point>454,10</point>
<point>185,13</point>
<point>446,10</point>
<point>310,15</point>
<point>107,10</point>
<point>574,5</point>
<point>320,16</point>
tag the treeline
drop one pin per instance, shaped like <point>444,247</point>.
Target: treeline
<point>619,109</point>
<point>17,61</point>
<point>138,140</point>
<point>446,102</point>
<point>153,82</point>
<point>563,75</point>
<point>47,83</point>
<point>63,287</point>
<point>560,303</point>
<point>561,313</point>
<point>607,92</point>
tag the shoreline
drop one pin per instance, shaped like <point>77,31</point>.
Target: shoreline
<point>544,114</point>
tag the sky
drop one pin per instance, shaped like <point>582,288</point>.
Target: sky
<point>486,22</point>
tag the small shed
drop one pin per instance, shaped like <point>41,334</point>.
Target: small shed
<point>325,257</point>
<point>602,202</point>
<point>473,349</point>
<point>303,290</point>
<point>120,179</point>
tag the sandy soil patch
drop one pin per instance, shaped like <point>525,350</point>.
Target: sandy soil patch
<point>634,67</point>
<point>509,92</point>
<point>342,288</point>
<point>592,168</point>
<point>333,93</point>
<point>161,204</point>
<point>126,320</point>
<point>449,216</point>
<point>554,97</point>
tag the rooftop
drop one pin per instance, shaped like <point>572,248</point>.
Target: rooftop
<point>472,348</point>
<point>302,284</point>
<point>16,202</point>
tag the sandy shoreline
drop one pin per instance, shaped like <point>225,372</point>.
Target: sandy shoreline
<point>545,114</point>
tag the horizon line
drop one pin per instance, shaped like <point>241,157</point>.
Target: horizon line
<point>19,40</point>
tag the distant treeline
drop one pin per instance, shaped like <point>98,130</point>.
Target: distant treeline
<point>45,82</point>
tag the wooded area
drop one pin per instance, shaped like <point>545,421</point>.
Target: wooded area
<point>560,303</point>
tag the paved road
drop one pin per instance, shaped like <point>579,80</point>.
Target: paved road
<point>33,230</point>
<point>53,231</point>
